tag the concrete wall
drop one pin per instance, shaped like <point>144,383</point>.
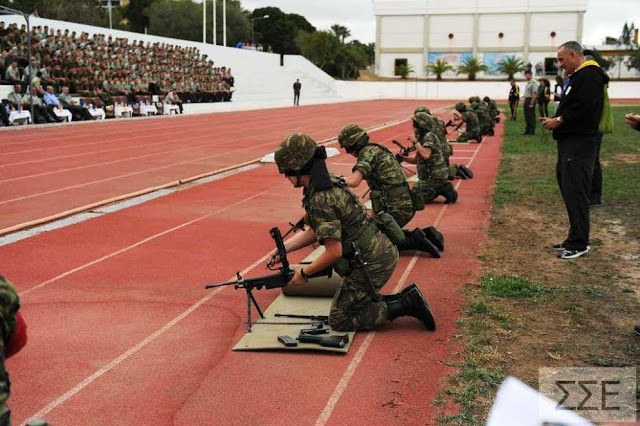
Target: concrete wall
<point>454,90</point>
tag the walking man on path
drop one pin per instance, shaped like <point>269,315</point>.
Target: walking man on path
<point>575,127</point>
<point>296,92</point>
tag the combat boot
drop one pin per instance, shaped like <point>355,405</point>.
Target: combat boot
<point>435,236</point>
<point>460,173</point>
<point>467,171</point>
<point>417,240</point>
<point>410,302</point>
<point>396,296</point>
<point>449,192</point>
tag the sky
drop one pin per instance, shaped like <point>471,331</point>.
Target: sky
<point>603,17</point>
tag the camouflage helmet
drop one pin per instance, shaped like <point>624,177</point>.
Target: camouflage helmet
<point>421,108</point>
<point>294,152</point>
<point>474,99</point>
<point>460,107</point>
<point>424,121</point>
<point>351,135</point>
<point>486,99</point>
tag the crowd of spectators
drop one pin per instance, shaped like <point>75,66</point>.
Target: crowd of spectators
<point>107,67</point>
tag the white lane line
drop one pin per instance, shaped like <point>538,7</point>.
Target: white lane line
<point>139,243</point>
<point>353,365</point>
<point>92,378</point>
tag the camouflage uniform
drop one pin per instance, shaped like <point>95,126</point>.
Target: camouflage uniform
<point>473,127</point>
<point>486,123</point>
<point>493,109</point>
<point>389,188</point>
<point>441,132</point>
<point>337,213</point>
<point>432,173</point>
<point>9,305</point>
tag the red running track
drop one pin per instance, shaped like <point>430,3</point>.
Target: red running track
<point>51,172</point>
<point>122,332</point>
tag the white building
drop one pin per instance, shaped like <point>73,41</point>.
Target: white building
<point>418,32</point>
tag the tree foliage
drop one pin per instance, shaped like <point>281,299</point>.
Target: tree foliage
<point>511,65</point>
<point>634,60</point>
<point>471,66</point>
<point>439,67</point>
<point>404,70</point>
<point>87,12</point>
<point>326,51</point>
<point>135,13</point>
<point>279,30</point>
<point>341,32</point>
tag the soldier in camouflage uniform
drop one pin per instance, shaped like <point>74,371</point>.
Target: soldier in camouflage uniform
<point>433,173</point>
<point>13,331</point>
<point>486,123</point>
<point>493,108</point>
<point>354,246</point>
<point>470,119</point>
<point>388,188</point>
<point>454,170</point>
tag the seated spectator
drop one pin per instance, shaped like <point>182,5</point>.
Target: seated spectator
<point>79,113</point>
<point>173,99</point>
<point>12,74</point>
<point>30,71</point>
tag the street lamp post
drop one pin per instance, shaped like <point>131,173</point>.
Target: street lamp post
<point>253,25</point>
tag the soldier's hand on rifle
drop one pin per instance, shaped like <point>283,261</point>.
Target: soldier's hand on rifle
<point>297,279</point>
<point>400,158</point>
<point>275,259</point>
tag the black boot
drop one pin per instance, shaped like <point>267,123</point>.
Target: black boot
<point>467,171</point>
<point>410,302</point>
<point>396,296</point>
<point>448,192</point>
<point>417,240</point>
<point>435,236</point>
<point>460,173</point>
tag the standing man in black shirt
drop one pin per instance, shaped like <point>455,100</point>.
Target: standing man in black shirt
<point>575,127</point>
<point>296,92</point>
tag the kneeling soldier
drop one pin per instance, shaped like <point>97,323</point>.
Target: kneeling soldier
<point>433,173</point>
<point>470,120</point>
<point>389,189</point>
<point>354,245</point>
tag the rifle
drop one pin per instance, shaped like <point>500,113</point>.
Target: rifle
<point>404,150</point>
<point>320,318</point>
<point>268,282</point>
<point>299,225</point>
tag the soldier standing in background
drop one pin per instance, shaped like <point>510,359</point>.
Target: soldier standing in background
<point>530,96</point>
<point>514,99</point>
<point>354,245</point>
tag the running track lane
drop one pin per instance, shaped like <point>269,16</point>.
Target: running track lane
<point>49,172</point>
<point>97,315</point>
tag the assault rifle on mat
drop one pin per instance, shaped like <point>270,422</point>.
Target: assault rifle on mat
<point>268,282</point>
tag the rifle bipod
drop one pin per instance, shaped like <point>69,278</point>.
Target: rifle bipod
<point>251,299</point>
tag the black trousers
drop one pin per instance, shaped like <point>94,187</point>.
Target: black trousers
<point>574,171</point>
<point>596,182</point>
<point>529,116</point>
<point>296,98</point>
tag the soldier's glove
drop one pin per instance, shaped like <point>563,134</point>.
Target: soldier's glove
<point>399,158</point>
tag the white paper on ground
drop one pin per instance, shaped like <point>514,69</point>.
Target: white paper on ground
<point>518,404</point>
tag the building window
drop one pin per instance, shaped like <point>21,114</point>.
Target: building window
<point>400,62</point>
<point>450,35</point>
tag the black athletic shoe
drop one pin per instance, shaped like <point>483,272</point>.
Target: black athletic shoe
<point>572,254</point>
<point>559,247</point>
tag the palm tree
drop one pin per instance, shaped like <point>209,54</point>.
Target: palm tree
<point>404,70</point>
<point>510,65</point>
<point>341,32</point>
<point>471,66</point>
<point>439,67</point>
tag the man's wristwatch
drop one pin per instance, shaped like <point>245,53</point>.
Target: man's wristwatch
<point>305,276</point>
<point>559,119</point>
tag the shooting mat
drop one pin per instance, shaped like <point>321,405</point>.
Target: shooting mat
<point>265,336</point>
<point>314,298</point>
